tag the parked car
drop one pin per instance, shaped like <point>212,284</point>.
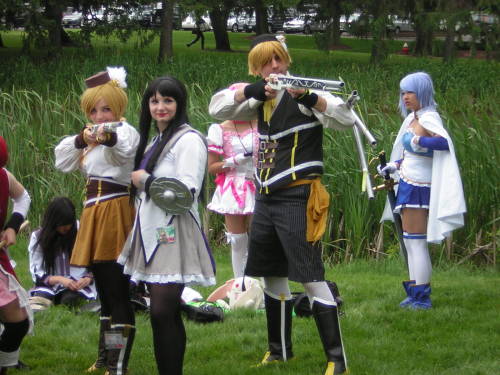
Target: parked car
<point>250,23</point>
<point>397,24</point>
<point>236,23</point>
<point>94,16</point>
<point>485,25</point>
<point>72,20</point>
<point>296,25</point>
<point>277,20</point>
<point>143,16</point>
<point>156,19</point>
<point>306,24</point>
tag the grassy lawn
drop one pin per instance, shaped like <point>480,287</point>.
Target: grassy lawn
<point>460,335</point>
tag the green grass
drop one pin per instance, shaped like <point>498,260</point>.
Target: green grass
<point>39,104</point>
<point>460,335</point>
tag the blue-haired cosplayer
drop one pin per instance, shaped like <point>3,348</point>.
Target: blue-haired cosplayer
<point>430,196</point>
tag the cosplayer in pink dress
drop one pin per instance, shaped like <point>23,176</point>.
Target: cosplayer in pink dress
<point>232,147</point>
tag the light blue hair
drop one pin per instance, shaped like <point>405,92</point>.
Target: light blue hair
<point>419,83</point>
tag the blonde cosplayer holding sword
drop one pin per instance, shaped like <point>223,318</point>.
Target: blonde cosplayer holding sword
<point>106,159</point>
<point>284,236</point>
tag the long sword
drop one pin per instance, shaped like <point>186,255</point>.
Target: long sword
<point>391,195</point>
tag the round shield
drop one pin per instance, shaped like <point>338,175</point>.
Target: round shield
<point>171,195</point>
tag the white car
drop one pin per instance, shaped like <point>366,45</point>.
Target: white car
<point>236,23</point>
<point>73,19</point>
<point>295,25</point>
<point>398,24</point>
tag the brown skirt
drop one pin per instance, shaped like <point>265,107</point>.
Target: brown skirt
<point>104,227</point>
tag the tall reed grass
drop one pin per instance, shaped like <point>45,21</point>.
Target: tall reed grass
<point>39,104</point>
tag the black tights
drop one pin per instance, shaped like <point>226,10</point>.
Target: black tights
<point>113,289</point>
<point>169,335</point>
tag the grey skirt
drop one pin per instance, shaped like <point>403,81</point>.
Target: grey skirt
<point>188,260</point>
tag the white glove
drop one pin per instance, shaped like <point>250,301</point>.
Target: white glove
<point>343,115</point>
<point>235,160</point>
<point>389,168</point>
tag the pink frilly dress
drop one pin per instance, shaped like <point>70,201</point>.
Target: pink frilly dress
<point>235,190</point>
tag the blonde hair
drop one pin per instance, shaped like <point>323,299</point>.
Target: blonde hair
<point>263,53</point>
<point>114,96</point>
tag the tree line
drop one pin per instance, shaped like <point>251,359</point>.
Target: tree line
<point>42,21</point>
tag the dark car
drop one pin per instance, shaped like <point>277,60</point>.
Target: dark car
<point>156,19</point>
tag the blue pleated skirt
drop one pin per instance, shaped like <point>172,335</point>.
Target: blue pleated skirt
<point>412,196</point>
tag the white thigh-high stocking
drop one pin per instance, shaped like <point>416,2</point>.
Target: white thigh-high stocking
<point>319,289</point>
<point>277,286</point>
<point>419,261</point>
<point>239,252</point>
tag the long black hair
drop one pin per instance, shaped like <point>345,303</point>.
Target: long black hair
<point>165,86</point>
<point>60,211</point>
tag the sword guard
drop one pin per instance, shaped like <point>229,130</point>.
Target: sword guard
<point>387,185</point>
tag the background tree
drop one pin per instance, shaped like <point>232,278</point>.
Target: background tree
<point>166,50</point>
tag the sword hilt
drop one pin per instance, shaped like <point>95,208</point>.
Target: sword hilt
<point>383,162</point>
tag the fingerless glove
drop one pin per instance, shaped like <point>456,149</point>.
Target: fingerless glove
<point>308,99</point>
<point>256,90</point>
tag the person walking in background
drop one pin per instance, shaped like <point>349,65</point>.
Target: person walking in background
<point>291,203</point>
<point>200,26</point>
<point>16,316</point>
<point>106,159</point>
<point>50,249</point>
<point>168,250</point>
<point>430,195</point>
<point>232,150</point>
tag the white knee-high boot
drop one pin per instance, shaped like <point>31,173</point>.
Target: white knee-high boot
<point>419,262</point>
<point>239,252</point>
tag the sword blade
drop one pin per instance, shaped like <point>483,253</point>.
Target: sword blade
<point>398,224</point>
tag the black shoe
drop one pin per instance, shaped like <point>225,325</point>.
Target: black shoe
<point>22,366</point>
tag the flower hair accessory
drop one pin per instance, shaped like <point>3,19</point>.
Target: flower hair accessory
<point>117,74</point>
<point>281,38</point>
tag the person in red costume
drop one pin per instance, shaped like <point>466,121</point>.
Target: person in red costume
<point>15,314</point>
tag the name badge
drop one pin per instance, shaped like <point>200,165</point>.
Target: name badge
<point>166,234</point>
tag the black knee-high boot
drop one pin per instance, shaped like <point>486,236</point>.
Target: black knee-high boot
<point>279,328</point>
<point>10,341</point>
<point>104,325</point>
<point>327,321</point>
<point>119,342</point>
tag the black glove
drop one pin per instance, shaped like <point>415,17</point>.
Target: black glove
<point>256,90</point>
<point>309,99</point>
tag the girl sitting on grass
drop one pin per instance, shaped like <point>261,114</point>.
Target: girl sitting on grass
<point>50,250</point>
